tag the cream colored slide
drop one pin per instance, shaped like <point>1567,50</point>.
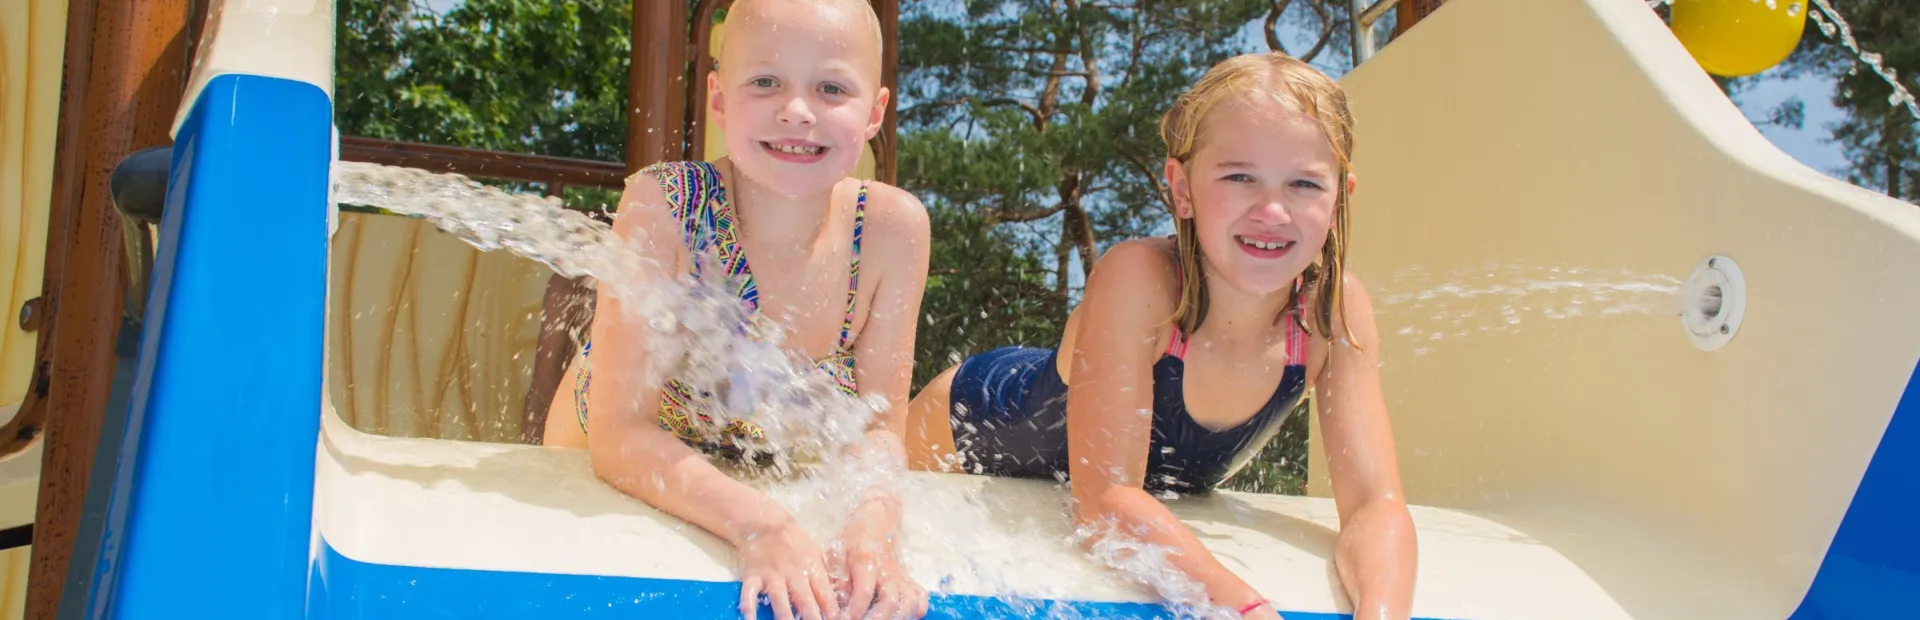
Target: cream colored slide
<point>1640,364</point>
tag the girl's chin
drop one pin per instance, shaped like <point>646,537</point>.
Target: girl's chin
<point>795,180</point>
<point>1260,286</point>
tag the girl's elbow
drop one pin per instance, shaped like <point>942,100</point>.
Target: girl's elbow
<point>616,458</point>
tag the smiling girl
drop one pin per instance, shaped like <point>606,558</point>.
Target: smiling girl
<point>798,93</point>
<point>1186,354</point>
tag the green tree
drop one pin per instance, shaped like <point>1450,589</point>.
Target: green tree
<point>1030,126</point>
<point>525,76</point>
<point>1030,130</point>
<point>1877,136</point>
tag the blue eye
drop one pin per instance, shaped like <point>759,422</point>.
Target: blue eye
<point>1238,177</point>
<point>1307,184</point>
<point>832,89</point>
<point>763,82</point>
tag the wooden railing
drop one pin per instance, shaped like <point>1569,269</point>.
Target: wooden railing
<point>555,173</point>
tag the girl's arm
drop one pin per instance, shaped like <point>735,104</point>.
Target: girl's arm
<point>1375,553</point>
<point>1109,398</point>
<point>884,366</point>
<point>629,449</point>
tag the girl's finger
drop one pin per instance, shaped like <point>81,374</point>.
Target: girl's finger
<point>860,596</point>
<point>887,604</point>
<point>920,602</point>
<point>749,597</point>
<point>782,606</point>
<point>805,600</point>
<point>823,590</point>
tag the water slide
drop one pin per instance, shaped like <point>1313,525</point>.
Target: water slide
<point>1750,458</point>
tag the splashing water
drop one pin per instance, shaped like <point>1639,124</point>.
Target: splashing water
<point>1451,305</point>
<point>1831,24</point>
<point>697,321</point>
<point>1830,21</point>
<point>697,325</point>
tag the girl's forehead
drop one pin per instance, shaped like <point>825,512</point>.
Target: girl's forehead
<point>1261,127</point>
<point>782,34</point>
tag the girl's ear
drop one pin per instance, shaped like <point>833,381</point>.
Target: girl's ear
<point>1353,183</point>
<point>878,116</point>
<point>1179,190</point>
<point>716,110</point>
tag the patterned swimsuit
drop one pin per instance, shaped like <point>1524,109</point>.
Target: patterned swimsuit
<point>698,200</point>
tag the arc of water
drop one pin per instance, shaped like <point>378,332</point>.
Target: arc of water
<point>1829,21</point>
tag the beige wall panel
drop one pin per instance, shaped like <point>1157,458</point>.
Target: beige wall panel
<point>1517,138</point>
<point>429,337</point>
<point>32,42</point>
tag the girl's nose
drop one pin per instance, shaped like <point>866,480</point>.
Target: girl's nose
<point>1270,211</point>
<point>796,112</point>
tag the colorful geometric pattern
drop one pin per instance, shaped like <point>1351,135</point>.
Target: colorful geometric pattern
<point>698,200</point>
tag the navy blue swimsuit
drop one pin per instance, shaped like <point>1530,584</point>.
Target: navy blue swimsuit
<point>1009,418</point>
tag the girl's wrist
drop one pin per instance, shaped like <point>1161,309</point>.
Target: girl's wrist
<point>757,521</point>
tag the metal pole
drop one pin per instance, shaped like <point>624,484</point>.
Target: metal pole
<point>1362,36</point>
<point>1365,13</point>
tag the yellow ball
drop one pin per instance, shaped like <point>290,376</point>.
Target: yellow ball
<point>1739,37</point>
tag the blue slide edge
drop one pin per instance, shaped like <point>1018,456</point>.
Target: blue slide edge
<point>211,507</point>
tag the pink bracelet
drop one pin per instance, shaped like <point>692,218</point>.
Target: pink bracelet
<point>1252,606</point>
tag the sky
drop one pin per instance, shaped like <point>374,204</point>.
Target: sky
<point>1809,144</point>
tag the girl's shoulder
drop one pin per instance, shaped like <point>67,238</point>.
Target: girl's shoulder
<point>1131,295</point>
<point>898,231</point>
<point>1145,265</point>
<point>1141,272</point>
<point>896,213</point>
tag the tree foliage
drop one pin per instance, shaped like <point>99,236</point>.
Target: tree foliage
<point>1028,127</point>
<point>1031,126</point>
<point>1877,138</point>
<point>525,76</point>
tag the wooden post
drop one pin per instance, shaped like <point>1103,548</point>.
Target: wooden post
<point>125,70</point>
<point>885,144</point>
<point>702,60</point>
<point>1411,12</point>
<point>657,84</point>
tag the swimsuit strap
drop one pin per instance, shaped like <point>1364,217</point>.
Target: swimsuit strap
<point>1296,336</point>
<point>853,278</point>
<point>698,197</point>
<point>1177,346</point>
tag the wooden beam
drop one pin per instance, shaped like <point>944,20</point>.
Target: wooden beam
<point>657,84</point>
<point>1410,12</point>
<point>125,70</point>
<point>480,163</point>
<point>702,61</point>
<point>885,144</point>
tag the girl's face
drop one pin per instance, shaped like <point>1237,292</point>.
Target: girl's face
<point>797,94</point>
<point>1261,189</point>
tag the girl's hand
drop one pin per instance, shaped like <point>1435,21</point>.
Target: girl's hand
<point>1264,613</point>
<point>877,586</point>
<point>783,562</point>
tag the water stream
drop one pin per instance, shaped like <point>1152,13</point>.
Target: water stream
<point>697,330</point>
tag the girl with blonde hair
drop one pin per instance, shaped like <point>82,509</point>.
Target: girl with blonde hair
<point>1186,354</point>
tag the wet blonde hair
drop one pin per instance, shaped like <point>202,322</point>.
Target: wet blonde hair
<point>1300,89</point>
